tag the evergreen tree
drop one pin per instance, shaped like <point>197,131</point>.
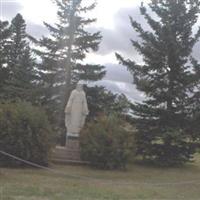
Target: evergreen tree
<point>101,101</point>
<point>63,53</point>
<point>21,83</point>
<point>4,46</point>
<point>170,78</point>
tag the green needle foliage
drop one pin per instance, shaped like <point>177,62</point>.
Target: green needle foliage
<point>18,67</point>
<point>170,78</point>
<point>63,52</point>
<point>4,46</point>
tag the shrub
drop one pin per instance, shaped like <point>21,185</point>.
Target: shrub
<point>174,148</point>
<point>107,143</point>
<point>24,132</point>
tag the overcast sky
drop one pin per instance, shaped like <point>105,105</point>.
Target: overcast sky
<point>112,20</point>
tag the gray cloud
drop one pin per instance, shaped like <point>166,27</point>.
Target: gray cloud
<point>196,51</point>
<point>122,88</point>
<point>9,9</point>
<point>118,39</point>
<point>118,73</point>
<point>119,80</point>
<point>36,30</point>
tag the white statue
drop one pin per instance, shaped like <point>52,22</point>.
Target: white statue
<point>76,111</point>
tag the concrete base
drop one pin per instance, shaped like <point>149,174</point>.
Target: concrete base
<point>69,153</point>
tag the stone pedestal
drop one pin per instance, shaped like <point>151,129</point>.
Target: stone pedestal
<point>69,153</point>
<point>72,143</point>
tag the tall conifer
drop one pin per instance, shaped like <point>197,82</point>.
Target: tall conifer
<point>4,47</point>
<point>62,54</point>
<point>170,78</point>
<point>21,83</point>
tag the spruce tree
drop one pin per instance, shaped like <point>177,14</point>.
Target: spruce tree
<point>102,101</point>
<point>170,79</point>
<point>4,47</point>
<point>62,55</point>
<point>21,83</point>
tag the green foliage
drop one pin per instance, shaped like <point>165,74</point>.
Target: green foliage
<point>101,100</point>
<point>107,143</point>
<point>24,132</point>
<point>169,77</point>
<point>63,53</point>
<point>173,148</point>
<point>18,67</point>
<point>4,46</point>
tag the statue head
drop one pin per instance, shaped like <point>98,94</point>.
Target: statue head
<point>79,87</point>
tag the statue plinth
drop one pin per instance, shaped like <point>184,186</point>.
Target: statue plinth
<point>70,153</point>
<point>72,135</point>
<point>73,143</point>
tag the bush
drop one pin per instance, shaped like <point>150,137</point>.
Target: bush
<point>173,148</point>
<point>107,143</point>
<point>24,132</point>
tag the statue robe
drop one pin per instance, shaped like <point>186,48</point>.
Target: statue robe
<point>76,111</point>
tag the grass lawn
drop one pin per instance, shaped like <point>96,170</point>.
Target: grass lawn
<point>135,183</point>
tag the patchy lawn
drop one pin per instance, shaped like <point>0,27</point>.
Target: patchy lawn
<point>84,183</point>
